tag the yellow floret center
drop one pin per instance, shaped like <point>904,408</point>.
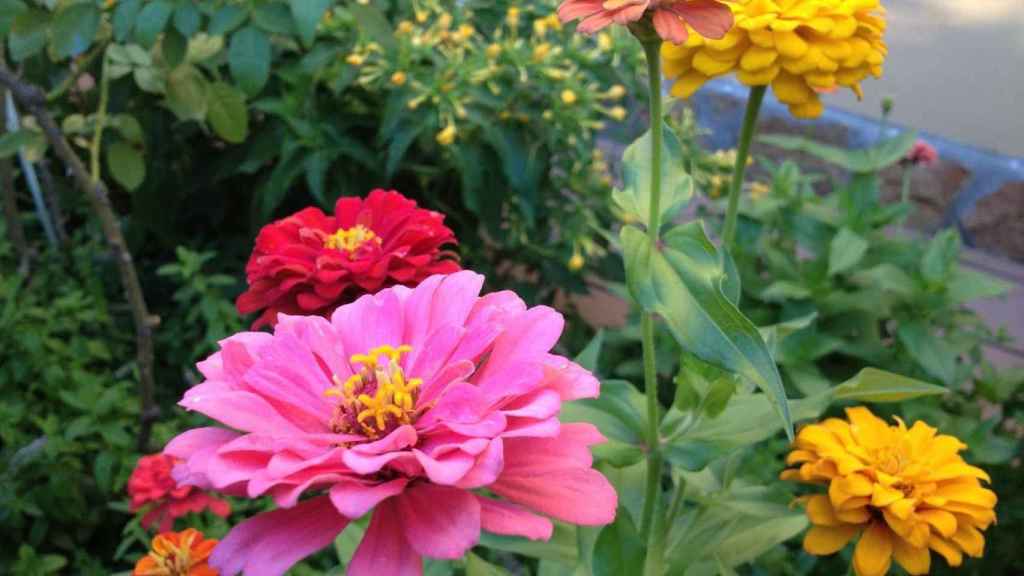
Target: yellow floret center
<point>378,397</point>
<point>351,239</point>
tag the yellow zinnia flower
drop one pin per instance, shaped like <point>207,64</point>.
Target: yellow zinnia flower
<point>905,491</point>
<point>800,48</point>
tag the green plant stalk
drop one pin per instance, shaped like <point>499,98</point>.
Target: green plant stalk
<point>655,557</point>
<point>740,168</point>
<point>905,190</point>
<point>101,120</point>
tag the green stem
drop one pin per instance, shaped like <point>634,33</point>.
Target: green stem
<point>101,120</point>
<point>651,517</point>
<point>905,190</point>
<point>740,169</point>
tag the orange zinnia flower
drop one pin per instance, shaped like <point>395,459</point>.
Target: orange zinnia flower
<point>182,553</point>
<point>904,491</point>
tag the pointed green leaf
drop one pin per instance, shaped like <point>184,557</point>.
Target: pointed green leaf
<point>226,19</point>
<point>28,33</point>
<point>930,352</point>
<point>864,160</point>
<point>682,282</point>
<point>676,184</point>
<point>307,14</point>
<point>846,250</point>
<point>477,566</point>
<point>249,59</point>
<point>186,92</point>
<point>619,549</point>
<point>874,385</point>
<point>587,358</point>
<point>187,19</point>
<point>151,21</point>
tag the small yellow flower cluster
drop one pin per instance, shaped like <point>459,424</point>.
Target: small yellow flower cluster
<point>906,492</point>
<point>800,48</point>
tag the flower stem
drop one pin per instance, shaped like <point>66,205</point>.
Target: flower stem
<point>101,120</point>
<point>740,169</point>
<point>655,560</point>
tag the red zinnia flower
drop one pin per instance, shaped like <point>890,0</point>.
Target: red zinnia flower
<point>311,263</point>
<point>151,482</point>
<point>922,153</point>
<point>184,553</point>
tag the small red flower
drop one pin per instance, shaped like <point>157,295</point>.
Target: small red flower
<point>184,553</point>
<point>151,483</point>
<point>922,153</point>
<point>311,263</point>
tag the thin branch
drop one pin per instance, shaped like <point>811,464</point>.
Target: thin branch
<point>10,201</point>
<point>34,102</point>
<point>52,201</point>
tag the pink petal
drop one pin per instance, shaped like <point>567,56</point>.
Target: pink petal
<point>238,409</point>
<point>511,520</point>
<point>270,543</point>
<point>573,9</point>
<point>528,336</point>
<point>575,495</point>
<point>669,26</point>
<point>439,521</point>
<point>487,468</point>
<point>447,469</point>
<point>354,498</point>
<point>372,320</point>
<point>448,304</point>
<point>384,549</point>
<point>630,13</point>
<point>569,379</point>
<point>710,18</point>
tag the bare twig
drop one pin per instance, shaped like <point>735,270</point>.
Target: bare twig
<point>52,200</point>
<point>34,102</point>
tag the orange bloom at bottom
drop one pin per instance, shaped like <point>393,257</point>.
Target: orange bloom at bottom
<point>182,553</point>
<point>906,492</point>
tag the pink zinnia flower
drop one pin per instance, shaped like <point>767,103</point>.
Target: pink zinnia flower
<point>404,403</point>
<point>151,485</point>
<point>922,153</point>
<point>709,18</point>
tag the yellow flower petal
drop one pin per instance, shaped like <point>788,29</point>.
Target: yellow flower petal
<point>791,90</point>
<point>825,540</point>
<point>757,58</point>
<point>688,83</point>
<point>914,560</point>
<point>873,554</point>
<point>790,44</point>
<point>884,496</point>
<point>764,78</point>
<point>705,64</point>
<point>820,511</point>
<point>970,540</point>
<point>947,550</point>
<point>943,522</point>
<point>810,109</point>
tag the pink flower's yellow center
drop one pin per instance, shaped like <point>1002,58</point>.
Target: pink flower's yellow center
<point>378,397</point>
<point>350,239</point>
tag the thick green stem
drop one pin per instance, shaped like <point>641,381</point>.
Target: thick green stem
<point>740,169</point>
<point>651,514</point>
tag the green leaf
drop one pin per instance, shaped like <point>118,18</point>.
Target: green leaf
<point>307,14</point>
<point>560,548</point>
<point>226,112</point>
<point>687,397</point>
<point>676,184</point>
<point>226,19</point>
<point>125,15</point>
<point>691,455</point>
<point>748,540</point>
<point>74,28</point>
<point>187,19</point>
<point>28,33</point>
<point>186,92</point>
<point>932,354</point>
<point>11,142</point>
<point>888,278</point>
<point>173,47</point>
<point>747,419</point>
<point>783,290</point>
<point>249,59</point>
<point>682,282</point>
<point>618,454</point>
<point>718,395</point>
<point>400,142</point>
<point>874,385</point>
<point>8,10</point>
<point>587,358</point>
<point>966,285</point>
<point>103,471</point>
<point>151,21</point>
<point>374,25</point>
<point>940,257</point>
<point>617,413</point>
<point>128,127</point>
<point>477,566</point>
<point>845,251</point>
<point>274,18</point>
<point>126,165</point>
<point>202,47</point>
<point>619,549</point>
<point>865,160</point>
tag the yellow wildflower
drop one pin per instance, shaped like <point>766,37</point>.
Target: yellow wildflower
<point>405,27</point>
<point>568,97</point>
<point>604,41</point>
<point>800,48</point>
<point>616,92</point>
<point>540,26</point>
<point>759,190</point>
<point>541,51</point>
<point>553,22</point>
<point>576,262</point>
<point>493,51</point>
<point>446,136</point>
<point>398,78</point>
<point>618,113</point>
<point>906,492</point>
<point>463,33</point>
<point>355,59</point>
<point>512,17</point>
<point>421,16</point>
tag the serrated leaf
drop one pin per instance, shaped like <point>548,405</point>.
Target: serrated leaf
<point>307,15</point>
<point>126,165</point>
<point>249,59</point>
<point>940,257</point>
<point>925,347</point>
<point>845,251</point>
<point>874,385</point>
<point>681,281</point>
<point>74,28</point>
<point>227,113</point>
